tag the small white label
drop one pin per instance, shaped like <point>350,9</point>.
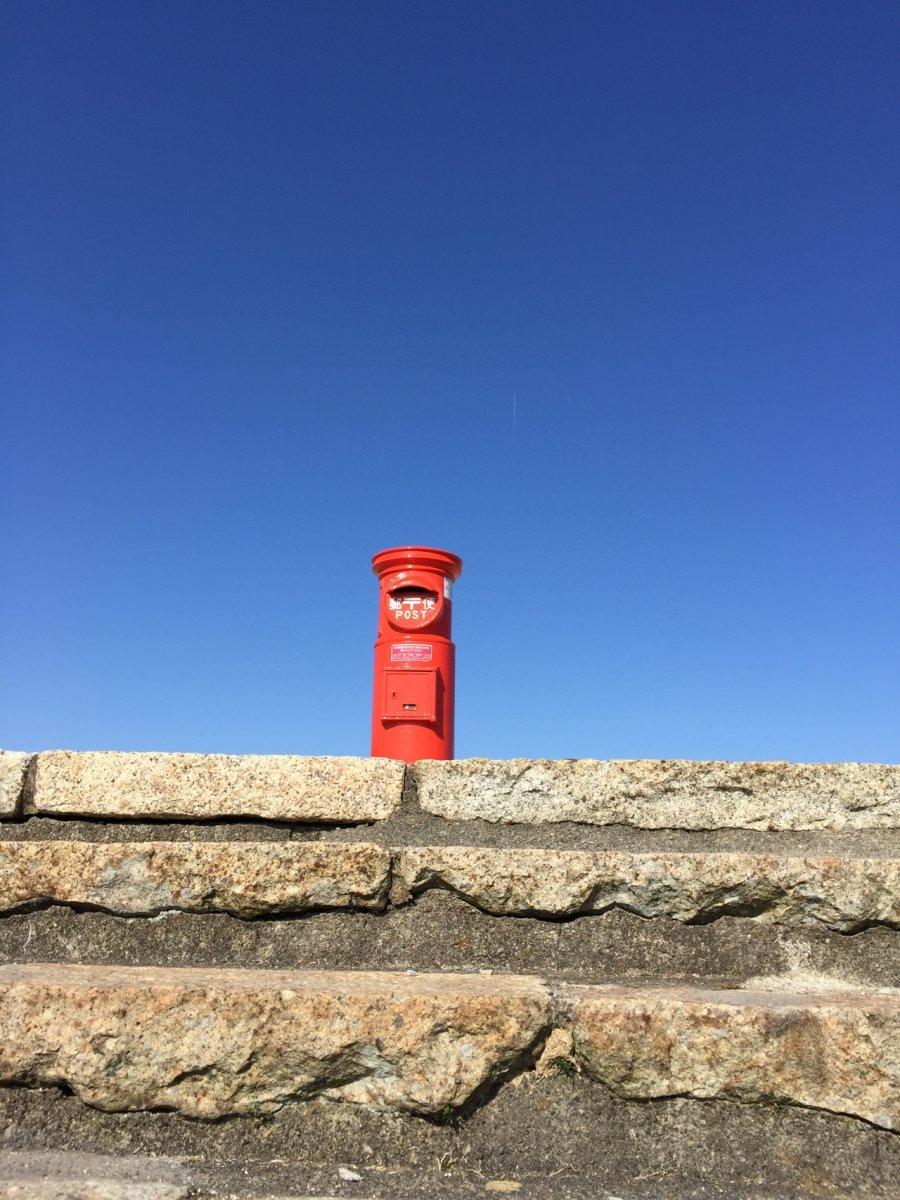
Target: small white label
<point>448,588</point>
<point>411,652</point>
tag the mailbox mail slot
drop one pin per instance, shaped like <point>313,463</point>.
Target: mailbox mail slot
<point>410,696</point>
<point>411,606</point>
<point>412,699</point>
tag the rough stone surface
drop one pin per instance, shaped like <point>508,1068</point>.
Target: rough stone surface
<point>213,1043</point>
<point>843,894</point>
<point>209,786</point>
<point>13,765</point>
<point>838,1052</point>
<point>251,878</point>
<point>779,879</point>
<point>243,878</point>
<point>671,793</point>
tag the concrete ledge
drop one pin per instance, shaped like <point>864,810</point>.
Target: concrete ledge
<point>243,878</point>
<point>676,794</point>
<point>215,1043</point>
<point>92,1189</point>
<point>13,765</point>
<point>838,1052</point>
<point>562,1135</point>
<point>113,785</point>
<point>845,894</point>
<point>440,932</point>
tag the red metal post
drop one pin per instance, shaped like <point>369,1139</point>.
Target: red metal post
<point>412,700</point>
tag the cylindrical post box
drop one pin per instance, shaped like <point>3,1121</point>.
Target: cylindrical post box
<point>412,700</point>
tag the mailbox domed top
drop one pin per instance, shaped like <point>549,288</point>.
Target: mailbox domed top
<point>425,558</point>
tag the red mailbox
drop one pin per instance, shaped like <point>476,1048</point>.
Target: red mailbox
<point>412,702</point>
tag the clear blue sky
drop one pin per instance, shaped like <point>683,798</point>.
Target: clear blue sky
<point>601,296</point>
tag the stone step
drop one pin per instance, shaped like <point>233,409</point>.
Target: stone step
<point>570,979</point>
<point>243,878</point>
<point>203,786</point>
<point>216,1043</point>
<point>845,894</point>
<point>671,793</point>
<point>254,878</point>
<point>647,794</point>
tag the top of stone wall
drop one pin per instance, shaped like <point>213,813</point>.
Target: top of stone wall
<point>650,794</point>
<point>664,793</point>
<point>207,786</point>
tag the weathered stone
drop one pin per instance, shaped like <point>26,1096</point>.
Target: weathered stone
<point>832,1051</point>
<point>13,765</point>
<point>659,794</point>
<point>207,786</point>
<point>243,878</point>
<point>557,1054</point>
<point>842,893</point>
<point>211,1043</point>
<point>250,878</point>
